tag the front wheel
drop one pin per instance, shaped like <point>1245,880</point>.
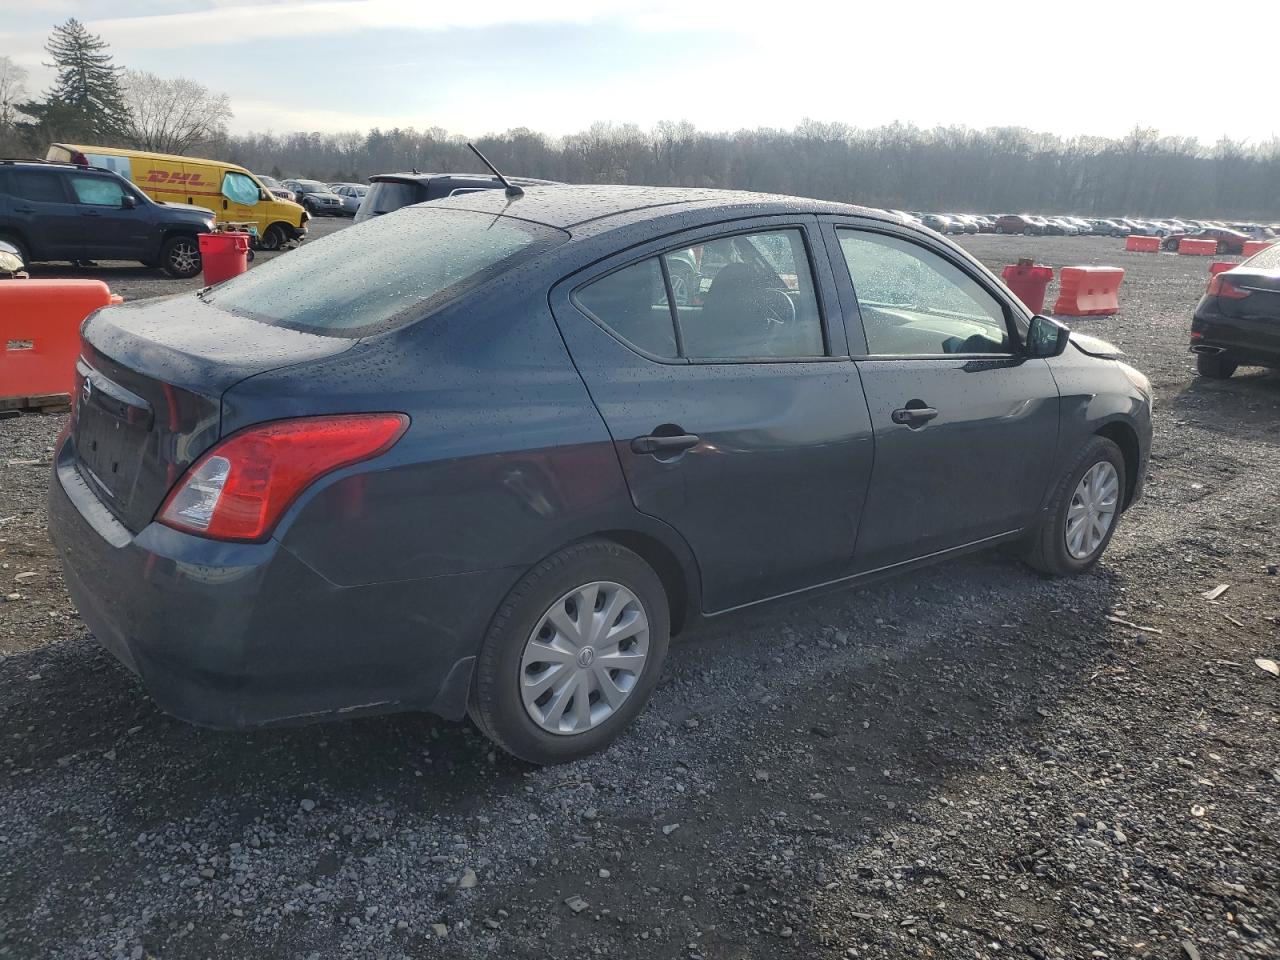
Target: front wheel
<point>999,229</point>
<point>1077,526</point>
<point>272,238</point>
<point>572,654</point>
<point>180,257</point>
<point>1215,366</point>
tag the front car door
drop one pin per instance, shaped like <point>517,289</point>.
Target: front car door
<point>719,364</point>
<point>111,230</point>
<point>965,425</point>
<point>240,200</point>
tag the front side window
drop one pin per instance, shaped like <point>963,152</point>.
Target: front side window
<point>347,285</point>
<point>98,191</point>
<point>915,303</point>
<point>747,296</point>
<point>238,188</point>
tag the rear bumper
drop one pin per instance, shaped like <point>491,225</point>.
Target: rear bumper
<point>242,635</point>
<point>1245,342</point>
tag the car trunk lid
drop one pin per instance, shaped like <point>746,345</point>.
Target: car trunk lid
<point>149,387</point>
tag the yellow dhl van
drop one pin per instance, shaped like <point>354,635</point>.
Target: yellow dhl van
<point>230,191</point>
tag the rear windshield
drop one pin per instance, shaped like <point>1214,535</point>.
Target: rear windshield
<point>382,273</point>
<point>387,195</point>
<point>1267,258</point>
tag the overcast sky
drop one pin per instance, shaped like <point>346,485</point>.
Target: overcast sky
<point>1065,66</point>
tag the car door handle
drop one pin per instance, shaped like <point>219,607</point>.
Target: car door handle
<point>90,213</point>
<point>656,444</point>
<point>24,209</point>
<point>914,416</point>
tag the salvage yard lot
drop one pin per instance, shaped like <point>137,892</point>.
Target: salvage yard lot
<point>969,761</point>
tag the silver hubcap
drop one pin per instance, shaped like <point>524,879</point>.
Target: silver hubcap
<point>184,256</point>
<point>1092,510</point>
<point>584,657</point>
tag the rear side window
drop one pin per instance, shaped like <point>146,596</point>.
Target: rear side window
<point>746,296</point>
<point>42,186</point>
<point>387,272</point>
<point>387,195</point>
<point>97,191</point>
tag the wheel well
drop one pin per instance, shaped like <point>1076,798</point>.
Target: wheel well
<point>1123,436</point>
<point>669,570</point>
<point>17,235</point>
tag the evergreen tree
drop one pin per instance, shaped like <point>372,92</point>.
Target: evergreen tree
<point>88,85</point>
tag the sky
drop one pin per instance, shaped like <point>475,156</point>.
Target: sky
<point>1062,66</point>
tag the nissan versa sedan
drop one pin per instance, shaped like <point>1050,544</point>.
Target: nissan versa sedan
<point>477,457</point>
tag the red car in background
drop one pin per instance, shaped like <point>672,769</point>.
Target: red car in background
<point>1020,223</point>
<point>1229,241</point>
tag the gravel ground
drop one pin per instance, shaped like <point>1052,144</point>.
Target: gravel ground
<point>970,761</point>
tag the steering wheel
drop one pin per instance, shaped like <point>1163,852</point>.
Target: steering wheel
<point>777,306</point>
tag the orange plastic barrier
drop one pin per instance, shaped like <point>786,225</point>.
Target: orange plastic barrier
<point>1220,266</point>
<point>40,333</point>
<point>1256,246</point>
<point>1088,291</point>
<point>1191,247</point>
<point>1142,244</point>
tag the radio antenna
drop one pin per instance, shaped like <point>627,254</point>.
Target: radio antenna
<point>512,190</point>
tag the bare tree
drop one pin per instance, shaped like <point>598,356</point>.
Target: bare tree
<point>13,91</point>
<point>173,115</point>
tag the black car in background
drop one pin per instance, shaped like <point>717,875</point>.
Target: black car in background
<point>479,456</point>
<point>317,198</point>
<point>61,211</point>
<point>1237,322</point>
<point>391,191</point>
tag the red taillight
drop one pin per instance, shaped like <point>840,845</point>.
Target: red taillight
<point>1220,286</point>
<point>241,488</point>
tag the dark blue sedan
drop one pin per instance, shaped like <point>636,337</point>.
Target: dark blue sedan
<point>481,455</point>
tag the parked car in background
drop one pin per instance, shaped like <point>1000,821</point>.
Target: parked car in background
<point>227,189</point>
<point>1060,227</point>
<point>964,223</point>
<point>1019,223</point>
<point>1237,322</point>
<point>316,197</point>
<point>937,221</point>
<point>277,188</point>
<point>908,218</point>
<point>65,211</point>
<point>985,224</point>
<point>1111,228</point>
<point>1085,226</point>
<point>1254,231</point>
<point>391,191</point>
<point>352,194</point>
<point>1164,229</point>
<point>1228,241</point>
<point>510,466</point>
<point>1142,228</point>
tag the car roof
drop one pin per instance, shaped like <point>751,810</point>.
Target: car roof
<point>425,178</point>
<point>569,205</point>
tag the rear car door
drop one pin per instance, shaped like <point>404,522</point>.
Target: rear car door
<point>43,212</point>
<point>965,425</point>
<point>719,365</point>
<point>111,231</point>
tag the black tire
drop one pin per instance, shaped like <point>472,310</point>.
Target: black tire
<point>495,703</point>
<point>272,238</point>
<point>999,229</point>
<point>1029,231</point>
<point>1047,550</point>
<point>1221,248</point>
<point>180,256</point>
<point>1215,366</point>
<point>20,247</point>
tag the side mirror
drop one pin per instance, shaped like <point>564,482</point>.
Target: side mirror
<point>128,201</point>
<point>1046,338</point>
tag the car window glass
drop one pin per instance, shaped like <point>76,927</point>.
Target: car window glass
<point>97,191</point>
<point>632,302</point>
<point>913,302</point>
<point>120,165</point>
<point>238,188</point>
<point>387,195</point>
<point>39,185</point>
<point>749,295</point>
<point>349,286</point>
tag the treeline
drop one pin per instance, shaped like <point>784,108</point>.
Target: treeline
<point>900,166</point>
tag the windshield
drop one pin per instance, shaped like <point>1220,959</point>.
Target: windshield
<point>387,195</point>
<point>389,271</point>
<point>312,186</point>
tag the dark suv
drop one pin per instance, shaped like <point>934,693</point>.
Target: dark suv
<point>391,191</point>
<point>56,211</point>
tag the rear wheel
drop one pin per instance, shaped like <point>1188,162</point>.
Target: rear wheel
<point>1215,366</point>
<point>999,229</point>
<point>180,256</point>
<point>1082,515</point>
<point>1029,231</point>
<point>572,654</point>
